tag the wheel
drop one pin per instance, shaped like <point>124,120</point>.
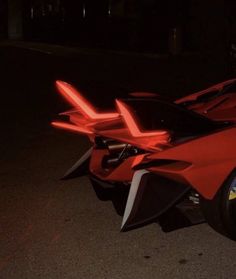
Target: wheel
<point>220,212</point>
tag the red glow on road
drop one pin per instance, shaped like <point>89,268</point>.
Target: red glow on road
<point>71,127</point>
<point>133,126</point>
<point>79,102</point>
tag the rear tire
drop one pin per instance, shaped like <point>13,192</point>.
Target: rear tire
<point>220,212</point>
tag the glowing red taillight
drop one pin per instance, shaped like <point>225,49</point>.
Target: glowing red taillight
<point>132,125</point>
<point>84,119</point>
<point>79,102</point>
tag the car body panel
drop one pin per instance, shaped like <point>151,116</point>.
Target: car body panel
<point>189,146</point>
<point>221,107</point>
<point>211,159</point>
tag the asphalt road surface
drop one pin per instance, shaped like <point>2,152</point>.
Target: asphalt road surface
<point>58,229</point>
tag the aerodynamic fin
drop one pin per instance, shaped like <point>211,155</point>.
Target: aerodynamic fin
<point>81,167</point>
<point>71,127</point>
<point>149,197</point>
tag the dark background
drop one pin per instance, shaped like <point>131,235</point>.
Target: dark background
<point>163,27</point>
<point>133,24</point>
<point>58,229</point>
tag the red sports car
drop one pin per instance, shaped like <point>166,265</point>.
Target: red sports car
<point>168,162</point>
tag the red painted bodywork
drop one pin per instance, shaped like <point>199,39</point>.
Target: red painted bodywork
<point>220,108</point>
<point>207,161</point>
<point>203,162</point>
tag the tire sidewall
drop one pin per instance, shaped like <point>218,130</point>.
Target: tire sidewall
<point>218,212</point>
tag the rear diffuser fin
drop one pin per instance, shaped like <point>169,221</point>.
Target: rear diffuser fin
<point>150,196</point>
<point>81,167</point>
